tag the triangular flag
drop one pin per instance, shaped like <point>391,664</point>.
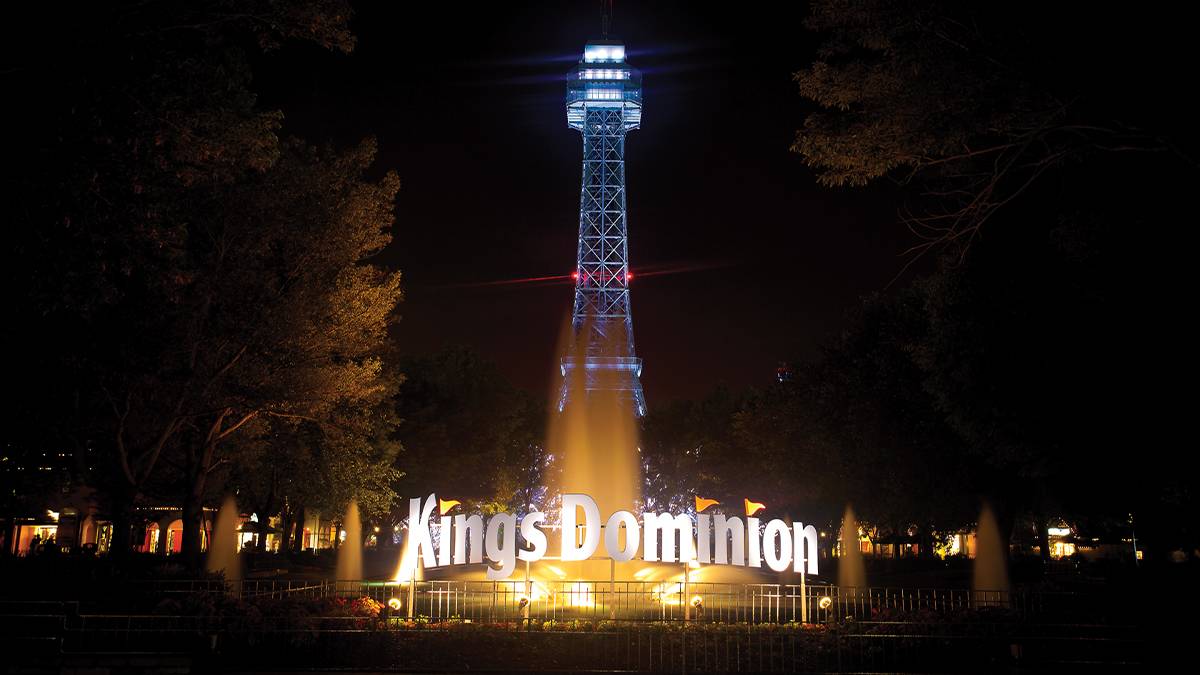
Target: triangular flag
<point>754,507</point>
<point>445,505</point>
<point>702,503</point>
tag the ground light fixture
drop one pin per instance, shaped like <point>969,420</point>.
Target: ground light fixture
<point>394,604</point>
<point>825,602</point>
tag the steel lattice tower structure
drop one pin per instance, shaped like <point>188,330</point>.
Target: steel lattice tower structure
<point>604,102</point>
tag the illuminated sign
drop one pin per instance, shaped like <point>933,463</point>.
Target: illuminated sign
<point>659,537</point>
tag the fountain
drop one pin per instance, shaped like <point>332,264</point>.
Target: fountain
<point>852,573</point>
<point>223,546</point>
<point>989,580</point>
<point>596,437</point>
<point>349,555</point>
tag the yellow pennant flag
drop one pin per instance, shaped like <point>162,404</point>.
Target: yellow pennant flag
<point>754,507</point>
<point>445,505</point>
<point>702,503</point>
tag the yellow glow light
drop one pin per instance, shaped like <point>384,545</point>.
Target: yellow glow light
<point>669,593</point>
<point>394,603</point>
<point>577,594</point>
<point>825,602</point>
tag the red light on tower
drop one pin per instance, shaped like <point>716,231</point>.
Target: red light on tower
<point>575,275</point>
<point>628,277</point>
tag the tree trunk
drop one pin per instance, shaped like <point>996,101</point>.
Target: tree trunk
<point>121,547</point>
<point>264,518</point>
<point>1043,538</point>
<point>286,520</point>
<point>193,515</point>
<point>298,545</point>
<point>163,533</point>
<point>924,542</point>
<point>193,503</point>
<point>263,526</point>
<point>1005,522</point>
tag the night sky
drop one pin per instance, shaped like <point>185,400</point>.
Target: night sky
<point>740,259</point>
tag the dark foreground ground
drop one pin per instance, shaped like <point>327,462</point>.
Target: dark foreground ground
<point>102,625</point>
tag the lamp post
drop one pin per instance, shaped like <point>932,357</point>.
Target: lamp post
<point>803,587</point>
<point>687,579</point>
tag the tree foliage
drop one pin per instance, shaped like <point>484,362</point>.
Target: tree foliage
<point>974,103</point>
<point>468,434</point>
<point>219,273</point>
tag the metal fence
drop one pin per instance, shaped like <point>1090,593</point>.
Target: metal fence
<point>570,625</point>
<point>704,601</point>
<point>518,600</point>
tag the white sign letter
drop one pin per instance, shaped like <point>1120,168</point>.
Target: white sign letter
<point>733,531</point>
<point>503,552</point>
<point>753,543</point>
<point>777,529</point>
<point>805,537</point>
<point>419,540</point>
<point>591,527</point>
<point>533,536</point>
<point>612,541</point>
<point>669,526</point>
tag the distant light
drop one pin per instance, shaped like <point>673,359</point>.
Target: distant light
<point>629,276</point>
<point>1058,531</point>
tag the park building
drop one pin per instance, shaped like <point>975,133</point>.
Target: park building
<point>76,524</point>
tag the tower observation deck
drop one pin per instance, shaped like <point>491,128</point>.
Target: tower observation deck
<point>604,102</point>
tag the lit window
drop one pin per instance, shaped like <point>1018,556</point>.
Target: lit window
<point>592,54</point>
<point>604,94</point>
<point>591,74</point>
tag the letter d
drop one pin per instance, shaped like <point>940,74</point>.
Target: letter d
<point>591,527</point>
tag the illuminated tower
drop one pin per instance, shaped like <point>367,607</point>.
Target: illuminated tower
<point>604,102</point>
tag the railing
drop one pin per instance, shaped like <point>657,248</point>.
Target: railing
<point>514,600</point>
<point>482,626</point>
<point>705,602</point>
<point>674,601</point>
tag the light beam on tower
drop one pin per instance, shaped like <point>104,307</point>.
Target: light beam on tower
<point>604,102</point>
